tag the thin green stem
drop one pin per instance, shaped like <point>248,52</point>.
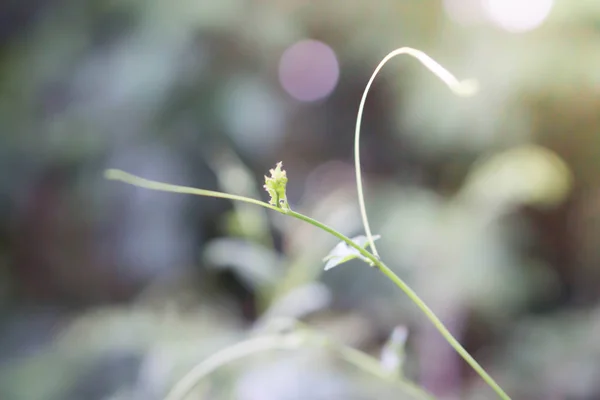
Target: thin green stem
<point>118,175</point>
<point>137,181</point>
<point>442,329</point>
<point>391,275</point>
<point>460,88</point>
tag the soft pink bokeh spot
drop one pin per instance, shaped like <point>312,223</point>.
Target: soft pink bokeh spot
<point>309,70</point>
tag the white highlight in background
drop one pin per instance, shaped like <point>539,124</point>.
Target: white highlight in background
<point>309,70</point>
<point>518,15</point>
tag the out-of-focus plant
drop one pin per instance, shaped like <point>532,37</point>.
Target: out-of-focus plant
<point>291,335</point>
<point>275,185</point>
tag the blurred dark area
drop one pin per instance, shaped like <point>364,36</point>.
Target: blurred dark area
<point>488,206</point>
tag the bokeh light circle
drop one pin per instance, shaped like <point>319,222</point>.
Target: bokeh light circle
<point>309,70</point>
<point>518,15</point>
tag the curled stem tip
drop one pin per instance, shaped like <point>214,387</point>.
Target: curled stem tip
<point>463,88</point>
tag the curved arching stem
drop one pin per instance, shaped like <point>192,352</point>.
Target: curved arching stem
<point>460,88</point>
<point>207,367</point>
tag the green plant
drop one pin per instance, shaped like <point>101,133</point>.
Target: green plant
<point>275,185</point>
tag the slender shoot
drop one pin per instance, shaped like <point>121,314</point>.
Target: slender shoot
<point>119,175</point>
<point>460,88</point>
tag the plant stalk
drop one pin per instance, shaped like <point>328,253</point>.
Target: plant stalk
<point>114,174</point>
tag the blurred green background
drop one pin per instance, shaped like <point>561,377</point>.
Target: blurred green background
<point>108,291</point>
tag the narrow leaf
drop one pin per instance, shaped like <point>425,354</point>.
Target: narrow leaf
<point>342,253</point>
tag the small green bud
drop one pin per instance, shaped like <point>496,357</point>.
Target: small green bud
<point>275,186</point>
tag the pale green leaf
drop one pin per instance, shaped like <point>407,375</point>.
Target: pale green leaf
<point>343,253</point>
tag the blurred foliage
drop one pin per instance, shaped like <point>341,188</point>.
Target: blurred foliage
<point>487,206</point>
